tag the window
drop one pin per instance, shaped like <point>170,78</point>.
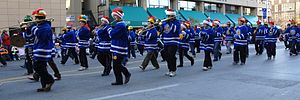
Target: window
<point>187,5</point>
<point>247,11</point>
<point>276,8</point>
<point>211,7</point>
<point>158,3</point>
<point>123,2</point>
<point>231,9</point>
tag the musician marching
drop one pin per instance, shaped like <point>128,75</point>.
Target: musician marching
<point>104,55</point>
<point>119,47</point>
<point>240,43</point>
<point>83,42</point>
<point>71,41</point>
<point>218,31</point>
<point>293,34</point>
<point>228,34</point>
<point>170,34</point>
<point>271,39</point>
<point>183,47</point>
<point>151,45</point>
<point>207,44</point>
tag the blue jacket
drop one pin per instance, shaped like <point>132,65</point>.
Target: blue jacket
<point>171,31</point>
<point>192,35</point>
<point>272,35</point>
<point>141,39</point>
<point>103,39</point>
<point>70,38</point>
<point>293,33</point>
<point>218,31</point>
<point>151,40</point>
<point>63,40</point>
<point>242,38</point>
<point>184,42</point>
<point>260,33</point>
<point>207,38</point>
<point>29,37</point>
<point>229,33</point>
<point>132,37</point>
<point>197,34</point>
<point>43,45</point>
<point>119,39</point>
<point>84,36</point>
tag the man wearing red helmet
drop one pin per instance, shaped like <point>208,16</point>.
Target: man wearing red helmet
<point>293,35</point>
<point>259,37</point>
<point>271,39</point>
<point>42,49</point>
<point>240,43</point>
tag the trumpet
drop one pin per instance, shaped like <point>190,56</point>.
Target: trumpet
<point>35,21</point>
<point>156,24</point>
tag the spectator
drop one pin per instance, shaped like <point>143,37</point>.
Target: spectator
<point>6,42</point>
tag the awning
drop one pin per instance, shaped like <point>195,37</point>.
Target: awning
<point>234,18</point>
<point>133,16</point>
<point>194,16</point>
<point>160,13</point>
<point>252,19</point>
<point>220,16</point>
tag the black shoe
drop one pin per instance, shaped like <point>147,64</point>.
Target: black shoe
<point>127,78</point>
<point>234,63</point>
<point>180,66</point>
<point>242,64</point>
<point>57,77</point>
<point>269,58</point>
<point>105,74</point>
<point>215,60</point>
<point>142,68</point>
<point>115,83</point>
<point>46,89</point>
<point>192,62</point>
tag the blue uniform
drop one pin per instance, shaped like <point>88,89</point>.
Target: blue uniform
<point>218,34</point>
<point>184,42</point>
<point>260,34</point>
<point>70,38</point>
<point>229,33</point>
<point>84,36</point>
<point>241,40</point>
<point>151,40</point>
<point>119,40</point>
<point>272,35</point>
<point>103,39</point>
<point>43,44</point>
<point>29,37</point>
<point>132,37</point>
<point>171,31</point>
<point>192,35</point>
<point>207,36</point>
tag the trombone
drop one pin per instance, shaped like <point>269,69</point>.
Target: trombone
<point>35,21</point>
<point>157,23</point>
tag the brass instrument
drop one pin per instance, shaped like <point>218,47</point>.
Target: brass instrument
<point>157,23</point>
<point>36,21</point>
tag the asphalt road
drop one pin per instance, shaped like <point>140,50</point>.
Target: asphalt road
<point>259,79</point>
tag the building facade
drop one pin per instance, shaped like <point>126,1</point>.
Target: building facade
<point>284,10</point>
<point>264,4</point>
<point>13,11</point>
<point>101,7</point>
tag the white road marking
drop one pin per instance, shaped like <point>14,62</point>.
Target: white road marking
<point>135,92</point>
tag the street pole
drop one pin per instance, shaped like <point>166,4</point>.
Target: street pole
<point>267,8</point>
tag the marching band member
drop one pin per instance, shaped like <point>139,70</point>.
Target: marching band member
<point>104,41</point>
<point>240,43</point>
<point>228,34</point>
<point>192,37</point>
<point>131,37</point>
<point>293,35</point>
<point>83,43</point>
<point>207,44</point>
<point>197,38</point>
<point>71,41</point>
<point>259,37</point>
<point>140,44</point>
<point>218,31</point>
<point>184,37</point>
<point>171,31</point>
<point>151,45</point>
<point>29,38</point>
<point>63,43</point>
<point>119,47</point>
<point>271,39</point>
<point>42,49</point>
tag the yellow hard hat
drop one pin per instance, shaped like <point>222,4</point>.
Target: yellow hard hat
<point>130,27</point>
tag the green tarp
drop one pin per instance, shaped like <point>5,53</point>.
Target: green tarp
<point>234,18</point>
<point>220,16</point>
<point>252,19</point>
<point>194,16</point>
<point>160,13</point>
<point>133,16</point>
